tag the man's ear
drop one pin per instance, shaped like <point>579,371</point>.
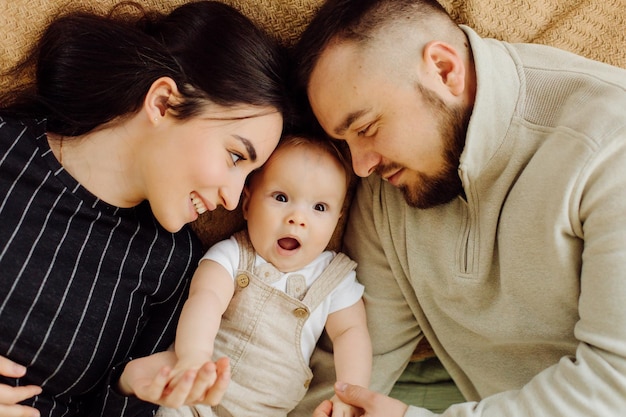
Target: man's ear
<point>162,92</point>
<point>444,60</point>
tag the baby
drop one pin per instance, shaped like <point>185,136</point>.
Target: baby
<point>263,297</point>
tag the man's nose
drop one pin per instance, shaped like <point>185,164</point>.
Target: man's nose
<point>364,161</point>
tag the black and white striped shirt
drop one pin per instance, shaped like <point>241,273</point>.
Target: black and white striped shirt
<point>84,285</point>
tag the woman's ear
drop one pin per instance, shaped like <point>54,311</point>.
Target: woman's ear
<point>447,64</point>
<point>162,92</point>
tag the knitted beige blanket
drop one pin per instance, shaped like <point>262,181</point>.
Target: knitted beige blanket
<point>593,28</point>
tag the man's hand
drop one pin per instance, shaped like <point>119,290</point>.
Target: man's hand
<point>371,403</point>
<point>341,409</point>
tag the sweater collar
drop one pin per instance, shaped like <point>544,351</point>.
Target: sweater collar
<point>498,85</point>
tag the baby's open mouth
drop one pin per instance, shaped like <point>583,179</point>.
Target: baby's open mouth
<point>288,243</point>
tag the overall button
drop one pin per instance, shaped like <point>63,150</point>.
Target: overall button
<point>307,383</point>
<point>301,312</point>
<point>243,280</point>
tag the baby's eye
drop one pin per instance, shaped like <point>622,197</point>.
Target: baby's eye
<point>320,207</point>
<point>280,197</point>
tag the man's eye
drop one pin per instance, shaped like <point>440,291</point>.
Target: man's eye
<point>320,207</point>
<point>280,197</point>
<point>364,131</point>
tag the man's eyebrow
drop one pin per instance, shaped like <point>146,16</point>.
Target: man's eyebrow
<point>249,147</point>
<point>350,118</point>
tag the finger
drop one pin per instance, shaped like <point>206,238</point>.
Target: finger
<point>324,409</point>
<point>158,388</point>
<point>341,409</point>
<point>216,392</point>
<point>223,368</point>
<point>372,403</point>
<point>179,393</point>
<point>355,395</point>
<point>173,379</point>
<point>207,375</point>
<point>13,395</point>
<point>11,369</point>
<point>18,411</point>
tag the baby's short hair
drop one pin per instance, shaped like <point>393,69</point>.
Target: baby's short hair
<point>334,148</point>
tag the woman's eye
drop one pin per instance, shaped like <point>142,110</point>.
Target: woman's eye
<point>320,207</point>
<point>280,197</point>
<point>236,158</point>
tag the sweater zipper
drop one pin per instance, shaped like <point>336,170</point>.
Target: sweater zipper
<point>466,258</point>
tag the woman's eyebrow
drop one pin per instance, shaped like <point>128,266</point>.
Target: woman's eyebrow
<point>249,147</point>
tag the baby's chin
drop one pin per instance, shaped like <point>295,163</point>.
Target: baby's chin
<point>286,264</point>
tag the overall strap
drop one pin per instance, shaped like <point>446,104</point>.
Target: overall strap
<point>246,251</point>
<point>330,278</point>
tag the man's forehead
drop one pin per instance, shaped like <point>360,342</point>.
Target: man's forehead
<point>334,56</point>
<point>339,70</point>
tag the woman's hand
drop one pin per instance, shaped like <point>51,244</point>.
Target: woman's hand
<point>149,380</point>
<point>11,396</point>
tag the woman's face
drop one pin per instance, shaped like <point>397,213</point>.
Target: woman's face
<point>200,163</point>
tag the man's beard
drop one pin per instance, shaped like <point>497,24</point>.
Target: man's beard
<point>427,191</point>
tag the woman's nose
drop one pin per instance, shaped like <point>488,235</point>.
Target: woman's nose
<point>230,199</point>
<point>231,194</point>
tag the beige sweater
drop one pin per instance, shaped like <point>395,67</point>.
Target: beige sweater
<point>521,288</point>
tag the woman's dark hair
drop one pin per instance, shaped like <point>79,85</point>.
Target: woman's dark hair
<point>91,69</point>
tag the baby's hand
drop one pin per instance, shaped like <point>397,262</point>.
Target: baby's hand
<point>341,409</point>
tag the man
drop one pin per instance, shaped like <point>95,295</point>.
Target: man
<point>491,214</point>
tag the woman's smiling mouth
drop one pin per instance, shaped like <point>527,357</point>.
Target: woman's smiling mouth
<point>197,202</point>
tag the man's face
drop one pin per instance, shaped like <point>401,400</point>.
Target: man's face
<point>395,127</point>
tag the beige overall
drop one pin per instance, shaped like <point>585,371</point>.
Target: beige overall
<point>261,332</point>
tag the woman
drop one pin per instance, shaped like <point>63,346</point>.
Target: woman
<point>133,129</point>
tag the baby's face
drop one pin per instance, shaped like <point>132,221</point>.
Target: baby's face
<point>293,206</point>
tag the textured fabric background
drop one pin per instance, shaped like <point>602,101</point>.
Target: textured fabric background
<point>592,28</point>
